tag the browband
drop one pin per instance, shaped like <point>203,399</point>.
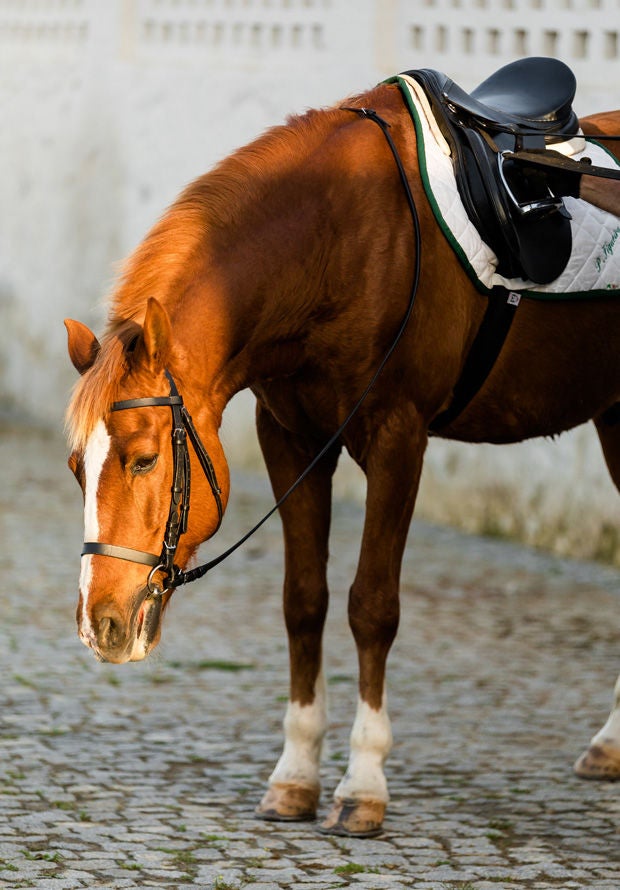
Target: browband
<point>147,402</point>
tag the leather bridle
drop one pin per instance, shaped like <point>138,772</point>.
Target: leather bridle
<point>182,429</point>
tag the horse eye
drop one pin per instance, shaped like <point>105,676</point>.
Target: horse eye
<point>143,464</point>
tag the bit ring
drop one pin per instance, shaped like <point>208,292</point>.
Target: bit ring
<point>154,590</point>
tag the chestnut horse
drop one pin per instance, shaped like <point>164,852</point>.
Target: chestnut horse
<point>288,269</point>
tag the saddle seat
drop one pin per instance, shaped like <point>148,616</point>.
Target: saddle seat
<point>534,94</point>
<point>517,208</point>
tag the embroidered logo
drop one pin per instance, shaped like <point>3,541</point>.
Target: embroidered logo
<point>608,249</point>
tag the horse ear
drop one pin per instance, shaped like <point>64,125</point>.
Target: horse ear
<point>83,345</point>
<point>156,336</point>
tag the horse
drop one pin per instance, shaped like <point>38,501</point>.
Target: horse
<point>287,270</point>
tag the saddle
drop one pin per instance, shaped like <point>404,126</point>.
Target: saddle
<point>498,136</point>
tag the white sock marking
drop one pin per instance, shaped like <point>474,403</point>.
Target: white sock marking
<point>371,741</point>
<point>610,733</point>
<point>95,455</point>
<point>304,728</point>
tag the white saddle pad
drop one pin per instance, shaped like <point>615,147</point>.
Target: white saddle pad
<point>594,265</point>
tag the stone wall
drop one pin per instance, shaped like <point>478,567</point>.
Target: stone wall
<point>110,108</point>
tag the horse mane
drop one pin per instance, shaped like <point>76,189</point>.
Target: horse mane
<point>207,209</point>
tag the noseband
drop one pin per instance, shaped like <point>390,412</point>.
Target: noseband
<point>182,429</point>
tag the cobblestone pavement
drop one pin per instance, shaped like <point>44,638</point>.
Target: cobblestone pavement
<point>146,775</point>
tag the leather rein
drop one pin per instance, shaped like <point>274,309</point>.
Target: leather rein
<point>183,429</point>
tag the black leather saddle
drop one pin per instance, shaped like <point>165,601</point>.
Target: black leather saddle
<point>516,207</point>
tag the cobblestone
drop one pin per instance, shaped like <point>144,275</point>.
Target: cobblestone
<point>147,775</point>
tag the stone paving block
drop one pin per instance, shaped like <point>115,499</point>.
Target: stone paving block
<point>147,775</point>
<point>269,885</point>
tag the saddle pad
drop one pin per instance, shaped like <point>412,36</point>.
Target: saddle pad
<point>594,266</point>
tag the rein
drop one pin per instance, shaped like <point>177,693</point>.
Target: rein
<point>183,428</point>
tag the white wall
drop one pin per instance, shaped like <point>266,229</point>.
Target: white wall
<point>110,107</point>
<point>474,37</point>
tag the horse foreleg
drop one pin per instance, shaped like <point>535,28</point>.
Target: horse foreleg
<point>294,785</point>
<point>393,471</point>
<point>602,759</point>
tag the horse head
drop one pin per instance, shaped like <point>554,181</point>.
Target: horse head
<point>124,462</point>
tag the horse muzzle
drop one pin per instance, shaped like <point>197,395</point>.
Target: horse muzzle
<point>116,638</point>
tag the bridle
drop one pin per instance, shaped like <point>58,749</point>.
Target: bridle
<point>182,429</point>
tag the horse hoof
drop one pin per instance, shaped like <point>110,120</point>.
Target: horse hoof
<point>354,818</point>
<point>600,761</point>
<point>288,803</point>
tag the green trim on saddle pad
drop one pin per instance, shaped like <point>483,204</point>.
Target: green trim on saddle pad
<point>445,228</point>
<point>600,293</point>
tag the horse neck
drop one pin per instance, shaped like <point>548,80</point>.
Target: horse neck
<point>280,223</point>
<point>247,304</point>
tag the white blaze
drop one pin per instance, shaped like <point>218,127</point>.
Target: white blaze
<point>95,454</point>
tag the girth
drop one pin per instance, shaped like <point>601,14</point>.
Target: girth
<point>517,207</point>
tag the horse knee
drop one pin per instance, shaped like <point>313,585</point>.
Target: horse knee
<point>305,609</point>
<point>373,616</point>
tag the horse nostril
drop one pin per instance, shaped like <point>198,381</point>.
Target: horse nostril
<point>109,634</point>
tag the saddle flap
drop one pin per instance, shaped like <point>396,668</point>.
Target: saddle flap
<point>544,247</point>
